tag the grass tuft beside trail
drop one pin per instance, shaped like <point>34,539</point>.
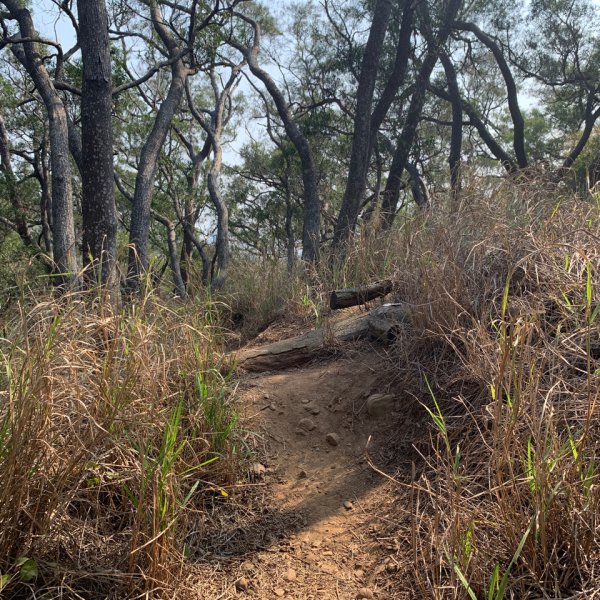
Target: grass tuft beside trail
<point>114,428</point>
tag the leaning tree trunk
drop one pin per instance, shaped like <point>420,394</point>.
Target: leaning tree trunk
<point>405,141</point>
<point>148,164</point>
<point>63,228</point>
<point>511,90</point>
<point>361,139</point>
<point>97,174</point>
<point>311,233</point>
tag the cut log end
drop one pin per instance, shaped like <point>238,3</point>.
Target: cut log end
<point>345,298</point>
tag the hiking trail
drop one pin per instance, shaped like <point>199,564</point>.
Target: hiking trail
<point>315,526</point>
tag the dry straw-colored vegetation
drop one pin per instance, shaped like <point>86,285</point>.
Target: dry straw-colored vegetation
<point>504,356</point>
<point>116,426</point>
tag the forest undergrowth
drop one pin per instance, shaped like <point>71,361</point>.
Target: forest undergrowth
<point>118,425</point>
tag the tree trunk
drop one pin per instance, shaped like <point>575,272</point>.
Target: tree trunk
<point>345,298</point>
<point>63,228</point>
<point>222,242</point>
<point>148,164</point>
<point>381,324</point>
<point>405,141</point>
<point>289,229</point>
<point>312,202</point>
<point>19,224</point>
<point>97,175</point>
<point>511,90</point>
<point>361,139</point>
<point>454,157</point>
<point>174,263</point>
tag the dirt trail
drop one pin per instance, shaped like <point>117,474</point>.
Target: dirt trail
<point>317,529</point>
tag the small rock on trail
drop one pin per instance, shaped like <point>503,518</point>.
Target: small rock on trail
<point>307,424</point>
<point>381,405</point>
<point>333,439</point>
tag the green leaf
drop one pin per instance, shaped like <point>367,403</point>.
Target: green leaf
<point>4,581</point>
<point>493,582</point>
<point>588,285</point>
<point>28,569</point>
<point>464,582</point>
<point>504,582</point>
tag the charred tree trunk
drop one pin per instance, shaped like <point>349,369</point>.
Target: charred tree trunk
<point>98,198</point>
<point>346,298</point>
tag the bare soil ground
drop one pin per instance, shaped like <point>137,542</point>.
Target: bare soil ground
<point>319,522</point>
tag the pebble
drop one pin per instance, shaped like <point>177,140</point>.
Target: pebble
<point>242,584</point>
<point>258,470</point>
<point>348,505</point>
<point>307,424</point>
<point>247,566</point>
<point>365,593</point>
<point>305,400</point>
<point>333,439</point>
<point>302,474</point>
<point>290,575</point>
<point>381,405</point>
<point>279,592</point>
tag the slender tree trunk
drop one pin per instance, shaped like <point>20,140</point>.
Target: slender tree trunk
<point>19,224</point>
<point>63,228</point>
<point>222,242</point>
<point>174,262</point>
<point>591,116</point>
<point>289,229</point>
<point>511,90</point>
<point>148,164</point>
<point>361,139</point>
<point>41,172</point>
<point>312,202</point>
<point>457,118</point>
<point>405,141</point>
<point>398,74</point>
<point>97,174</point>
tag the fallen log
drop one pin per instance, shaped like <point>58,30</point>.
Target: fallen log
<point>345,298</point>
<point>380,324</point>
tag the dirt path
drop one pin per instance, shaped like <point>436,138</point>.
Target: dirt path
<point>315,530</point>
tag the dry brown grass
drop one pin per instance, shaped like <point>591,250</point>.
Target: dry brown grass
<point>108,419</point>
<point>115,426</point>
<point>505,354</point>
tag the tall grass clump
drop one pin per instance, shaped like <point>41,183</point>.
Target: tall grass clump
<point>114,425</point>
<point>504,356</point>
